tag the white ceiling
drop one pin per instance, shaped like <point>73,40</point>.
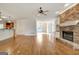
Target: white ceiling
<point>30,10</point>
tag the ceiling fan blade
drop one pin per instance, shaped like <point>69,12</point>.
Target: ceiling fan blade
<point>46,11</point>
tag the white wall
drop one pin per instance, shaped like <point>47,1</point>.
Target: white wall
<point>25,27</point>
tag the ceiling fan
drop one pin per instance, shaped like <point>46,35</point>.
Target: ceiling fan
<point>41,11</point>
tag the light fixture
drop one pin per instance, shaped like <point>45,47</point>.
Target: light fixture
<point>57,12</point>
<point>66,4</point>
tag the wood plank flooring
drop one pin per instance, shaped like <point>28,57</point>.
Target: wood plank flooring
<point>64,49</point>
<point>27,45</point>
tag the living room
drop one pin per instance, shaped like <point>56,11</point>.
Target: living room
<point>37,28</point>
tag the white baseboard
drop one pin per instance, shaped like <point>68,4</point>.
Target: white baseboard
<point>30,34</point>
<point>27,34</point>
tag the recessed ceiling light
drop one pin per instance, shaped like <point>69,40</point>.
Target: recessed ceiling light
<point>57,12</point>
<point>67,4</point>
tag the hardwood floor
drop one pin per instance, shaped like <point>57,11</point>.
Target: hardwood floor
<point>27,45</point>
<point>63,48</point>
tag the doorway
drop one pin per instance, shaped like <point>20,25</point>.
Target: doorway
<point>45,36</point>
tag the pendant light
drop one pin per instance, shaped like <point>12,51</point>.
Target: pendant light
<point>9,20</point>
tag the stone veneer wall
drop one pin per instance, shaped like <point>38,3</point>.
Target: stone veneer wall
<point>74,29</point>
<point>70,14</point>
<point>76,34</point>
<point>66,28</point>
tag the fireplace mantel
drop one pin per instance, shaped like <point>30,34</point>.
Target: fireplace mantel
<point>69,23</point>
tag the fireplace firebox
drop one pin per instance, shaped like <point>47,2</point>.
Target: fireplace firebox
<point>67,35</point>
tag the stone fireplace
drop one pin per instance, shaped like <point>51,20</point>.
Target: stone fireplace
<point>69,31</point>
<point>69,26</point>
